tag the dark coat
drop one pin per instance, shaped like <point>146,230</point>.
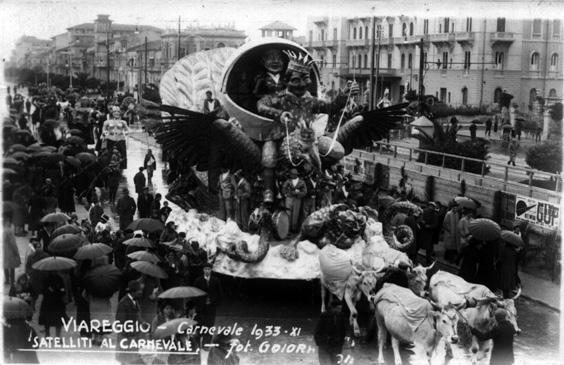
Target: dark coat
<point>507,270</point>
<point>213,288</point>
<point>469,265</point>
<point>502,336</point>
<point>66,195</point>
<point>144,203</point>
<point>487,256</point>
<point>430,224</point>
<point>125,207</point>
<point>127,310</point>
<point>140,182</point>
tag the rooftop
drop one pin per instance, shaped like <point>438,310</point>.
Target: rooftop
<point>277,25</point>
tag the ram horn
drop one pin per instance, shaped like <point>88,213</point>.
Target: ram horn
<point>518,293</point>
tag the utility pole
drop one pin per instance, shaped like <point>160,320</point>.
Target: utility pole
<point>483,64</point>
<point>421,67</point>
<point>376,89</point>
<point>371,90</point>
<point>178,50</point>
<point>70,70</point>
<point>108,64</point>
<point>146,53</point>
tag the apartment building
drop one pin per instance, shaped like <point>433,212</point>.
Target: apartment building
<point>27,50</point>
<point>467,61</point>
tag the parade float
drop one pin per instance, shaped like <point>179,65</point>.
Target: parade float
<point>259,143</point>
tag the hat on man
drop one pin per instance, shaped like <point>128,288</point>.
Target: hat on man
<point>293,172</point>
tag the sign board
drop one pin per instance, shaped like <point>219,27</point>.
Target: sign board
<point>538,212</point>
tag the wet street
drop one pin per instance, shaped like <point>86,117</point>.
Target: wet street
<point>294,306</point>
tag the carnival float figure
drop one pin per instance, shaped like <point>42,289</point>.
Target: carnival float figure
<point>277,131</point>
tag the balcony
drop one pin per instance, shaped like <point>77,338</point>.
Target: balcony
<point>502,38</point>
<point>464,38</point>
<point>358,42</point>
<point>318,44</point>
<point>332,43</point>
<point>443,39</point>
<point>407,41</point>
<point>322,20</point>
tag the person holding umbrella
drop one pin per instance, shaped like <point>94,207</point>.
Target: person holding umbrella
<point>18,333</point>
<point>53,306</point>
<point>150,164</point>
<point>507,265</point>
<point>125,208</point>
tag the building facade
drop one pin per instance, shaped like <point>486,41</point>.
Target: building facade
<point>277,29</point>
<point>27,50</point>
<point>467,61</point>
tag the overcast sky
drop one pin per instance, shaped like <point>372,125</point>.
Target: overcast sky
<point>46,18</point>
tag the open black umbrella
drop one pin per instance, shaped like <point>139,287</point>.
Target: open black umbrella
<point>138,242</point>
<point>182,292</point>
<point>484,229</point>
<point>150,269</point>
<point>11,161</point>
<point>54,263</point>
<point>49,149</point>
<point>102,281</point>
<point>92,251</point>
<point>66,229</point>
<point>17,148</point>
<point>66,243</point>
<point>75,140</point>
<point>512,238</point>
<point>20,156</point>
<point>16,308</point>
<point>85,157</point>
<point>73,161</point>
<point>55,218</point>
<point>75,132</point>
<point>144,256</point>
<point>34,148</point>
<point>146,224</point>
<point>7,171</point>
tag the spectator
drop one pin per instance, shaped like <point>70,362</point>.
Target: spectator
<point>36,212</point>
<point>18,348</point>
<point>463,231</point>
<point>488,131</point>
<point>150,163</point>
<point>429,223</point>
<point>220,355</point>
<point>488,255</point>
<point>95,213</point>
<point>144,202</point>
<point>49,193</point>
<point>507,269</point>
<point>451,237</point>
<point>165,211</point>
<point>330,333</point>
<point>211,104</point>
<point>11,253</point>
<point>208,305</point>
<point>21,198</point>
<point>496,124</point>
<point>156,207</point>
<point>169,233</point>
<point>114,176</point>
<point>128,310</point>
<point>165,313</point>
<point>469,256</point>
<point>66,195</point>
<point>512,149</point>
<point>53,306</point>
<point>473,127</point>
<point>125,208</point>
<point>139,181</point>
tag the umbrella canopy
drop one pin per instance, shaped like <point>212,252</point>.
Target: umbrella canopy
<point>144,256</point>
<point>465,202</point>
<point>182,292</point>
<point>75,140</point>
<point>66,229</point>
<point>49,149</point>
<point>66,243</point>
<point>138,242</point>
<point>11,161</point>
<point>85,157</point>
<point>173,327</point>
<point>507,126</point>
<point>55,218</point>
<point>484,229</point>
<point>146,224</point>
<point>92,251</point>
<point>51,123</point>
<point>17,147</point>
<point>33,148</point>
<point>385,200</point>
<point>102,281</point>
<point>7,171</point>
<point>150,269</point>
<point>16,308</point>
<point>512,238</point>
<point>20,156</point>
<point>54,263</point>
<point>75,132</point>
<point>73,161</point>
<point>9,206</point>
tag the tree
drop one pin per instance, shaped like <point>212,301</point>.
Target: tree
<point>81,79</point>
<point>546,157</point>
<point>444,141</point>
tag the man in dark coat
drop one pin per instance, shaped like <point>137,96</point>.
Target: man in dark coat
<point>473,128</point>
<point>502,336</point>
<point>139,181</point>
<point>330,333</point>
<point>208,305</point>
<point>430,222</point>
<point>128,310</point>
<point>144,202</point>
<point>125,208</point>
<point>150,163</point>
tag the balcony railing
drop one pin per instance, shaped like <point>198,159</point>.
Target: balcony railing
<point>317,44</point>
<point>358,42</point>
<point>442,37</point>
<point>464,37</point>
<point>502,37</point>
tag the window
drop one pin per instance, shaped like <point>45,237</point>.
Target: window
<point>449,97</point>
<point>322,34</point>
<point>552,93</point>
<point>497,95</point>
<point>360,33</point>
<point>556,28</point>
<point>321,62</point>
<point>359,61</point>
<point>554,62</point>
<point>500,25</point>
<point>390,30</point>
<point>366,31</point>
<point>402,63</point>
<point>379,31</point>
<point>426,26</point>
<point>534,62</point>
<point>467,56</point>
<point>447,23</point>
<point>404,30</point>
<point>445,60</point>
<point>424,59</point>
<point>354,33</point>
<point>468,24</point>
<point>536,28</point>
<point>335,34</point>
<point>220,45</point>
<point>389,61</point>
<point>365,60</point>
<point>532,96</point>
<point>499,60</point>
<point>443,94</point>
<point>464,95</point>
<point>410,61</point>
<point>310,35</point>
<point>411,28</point>
<point>334,61</point>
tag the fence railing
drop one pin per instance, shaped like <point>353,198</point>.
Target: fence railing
<point>414,153</point>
